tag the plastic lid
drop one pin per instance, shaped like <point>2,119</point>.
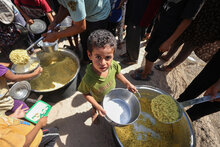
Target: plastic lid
<point>38,110</point>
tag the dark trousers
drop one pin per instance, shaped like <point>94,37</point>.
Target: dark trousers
<point>90,27</point>
<point>133,38</point>
<point>112,27</point>
<point>49,137</point>
<point>206,78</point>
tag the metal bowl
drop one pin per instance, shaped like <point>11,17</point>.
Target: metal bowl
<point>49,57</point>
<point>38,27</point>
<point>122,107</point>
<point>26,68</point>
<point>180,134</point>
<point>20,90</point>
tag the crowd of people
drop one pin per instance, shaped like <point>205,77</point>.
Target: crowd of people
<point>194,25</point>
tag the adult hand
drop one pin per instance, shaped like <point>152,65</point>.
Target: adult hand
<point>50,37</point>
<point>19,113</point>
<point>213,90</point>
<point>165,46</point>
<point>42,122</point>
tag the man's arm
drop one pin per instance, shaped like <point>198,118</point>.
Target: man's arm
<point>180,29</point>
<point>61,14</point>
<point>77,28</point>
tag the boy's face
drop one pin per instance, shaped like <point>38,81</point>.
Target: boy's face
<point>101,58</point>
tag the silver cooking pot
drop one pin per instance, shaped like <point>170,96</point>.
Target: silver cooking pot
<point>182,132</point>
<point>52,56</point>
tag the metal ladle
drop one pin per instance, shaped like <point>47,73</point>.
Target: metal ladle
<point>41,38</point>
<point>181,105</point>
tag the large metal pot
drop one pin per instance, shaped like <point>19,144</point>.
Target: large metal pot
<point>179,134</point>
<point>51,57</point>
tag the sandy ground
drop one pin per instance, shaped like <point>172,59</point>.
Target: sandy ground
<point>71,113</point>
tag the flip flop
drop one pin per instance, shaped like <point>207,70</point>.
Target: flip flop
<point>164,59</point>
<point>137,76</point>
<point>141,70</point>
<point>161,68</point>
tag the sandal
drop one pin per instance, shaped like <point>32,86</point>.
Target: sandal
<point>162,68</point>
<point>163,58</point>
<point>128,62</point>
<point>137,76</point>
<point>141,70</point>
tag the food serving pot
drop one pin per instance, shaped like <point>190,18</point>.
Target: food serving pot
<point>181,133</point>
<point>50,57</point>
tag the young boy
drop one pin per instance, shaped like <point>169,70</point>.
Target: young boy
<point>6,102</point>
<point>16,132</point>
<point>100,74</point>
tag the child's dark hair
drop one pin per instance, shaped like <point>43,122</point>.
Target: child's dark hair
<point>101,38</point>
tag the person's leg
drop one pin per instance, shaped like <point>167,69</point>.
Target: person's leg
<point>153,53</point>
<point>112,27</point>
<point>49,137</point>
<point>133,38</point>
<point>83,39</point>
<point>76,41</point>
<point>172,50</point>
<point>183,54</point>
<point>70,41</point>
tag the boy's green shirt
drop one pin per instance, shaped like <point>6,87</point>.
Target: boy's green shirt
<point>96,85</point>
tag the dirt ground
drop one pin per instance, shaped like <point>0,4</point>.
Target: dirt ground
<point>71,113</point>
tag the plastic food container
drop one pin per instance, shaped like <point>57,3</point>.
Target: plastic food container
<point>38,110</point>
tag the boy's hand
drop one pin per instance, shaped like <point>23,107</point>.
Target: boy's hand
<point>19,113</point>
<point>132,88</point>
<point>101,111</point>
<point>42,121</point>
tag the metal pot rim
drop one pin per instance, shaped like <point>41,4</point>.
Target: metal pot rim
<point>77,60</point>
